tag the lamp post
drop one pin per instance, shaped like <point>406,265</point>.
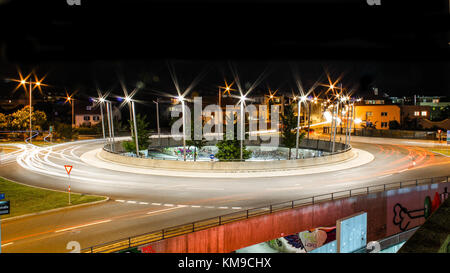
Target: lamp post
<point>37,83</point>
<point>110,123</point>
<point>300,100</point>
<point>242,125</point>
<point>135,129</point>
<point>157,120</point>
<point>181,98</point>
<point>102,100</point>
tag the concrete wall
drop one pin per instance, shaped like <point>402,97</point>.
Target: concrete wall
<point>217,166</point>
<point>379,207</point>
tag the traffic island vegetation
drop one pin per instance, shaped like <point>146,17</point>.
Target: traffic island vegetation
<point>26,199</point>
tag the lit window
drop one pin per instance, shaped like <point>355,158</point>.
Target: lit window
<point>416,113</point>
<point>424,113</point>
<point>369,114</point>
<point>87,118</point>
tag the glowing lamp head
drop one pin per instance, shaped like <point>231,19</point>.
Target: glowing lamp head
<point>303,98</point>
<point>101,100</point>
<point>127,99</point>
<point>332,86</point>
<point>38,83</point>
<point>243,98</point>
<point>271,96</point>
<point>22,81</point>
<point>228,89</point>
<point>180,98</point>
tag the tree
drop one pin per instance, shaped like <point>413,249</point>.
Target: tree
<point>20,120</point>
<point>289,133</point>
<point>4,121</point>
<point>142,132</point>
<point>65,131</point>
<point>198,144</point>
<point>394,125</point>
<point>230,149</point>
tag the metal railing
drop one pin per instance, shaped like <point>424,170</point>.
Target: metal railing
<point>318,144</point>
<point>245,214</point>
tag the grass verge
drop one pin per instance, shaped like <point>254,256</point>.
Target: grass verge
<point>25,199</point>
<point>445,151</point>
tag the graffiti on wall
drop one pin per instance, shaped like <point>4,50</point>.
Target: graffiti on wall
<point>304,241</point>
<point>404,216</point>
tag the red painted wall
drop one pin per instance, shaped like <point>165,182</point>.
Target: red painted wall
<point>236,235</point>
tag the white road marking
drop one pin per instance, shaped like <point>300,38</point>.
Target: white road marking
<point>85,225</point>
<point>384,176</point>
<point>132,202</point>
<point>157,211</point>
<point>143,203</point>
<point>222,207</point>
<point>169,205</point>
<point>195,206</point>
<point>236,208</point>
<point>156,204</point>
<point>402,171</point>
<point>208,207</point>
<point>182,206</point>
<point>120,201</point>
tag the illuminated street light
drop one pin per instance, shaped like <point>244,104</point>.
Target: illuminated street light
<point>242,100</point>
<point>23,81</point>
<point>181,99</point>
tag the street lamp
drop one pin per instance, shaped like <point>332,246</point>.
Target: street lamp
<point>72,102</point>
<point>181,98</point>
<point>302,99</point>
<point>102,100</point>
<point>242,99</point>
<point>133,114</point>
<point>37,83</point>
<point>157,120</point>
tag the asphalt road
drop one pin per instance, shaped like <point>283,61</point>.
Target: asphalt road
<point>143,203</point>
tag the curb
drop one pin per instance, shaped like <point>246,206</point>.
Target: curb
<point>54,210</point>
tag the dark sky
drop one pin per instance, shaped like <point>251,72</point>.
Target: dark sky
<point>401,47</point>
<point>394,78</point>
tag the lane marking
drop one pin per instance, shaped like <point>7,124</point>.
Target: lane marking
<point>163,210</point>
<point>132,202</point>
<point>156,204</point>
<point>81,226</point>
<point>222,207</point>
<point>7,244</point>
<point>169,205</point>
<point>122,201</point>
<point>236,208</point>
<point>143,203</point>
<point>384,176</point>
<point>195,206</point>
<point>182,206</point>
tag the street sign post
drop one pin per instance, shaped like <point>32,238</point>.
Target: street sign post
<point>68,170</point>
<point>4,209</point>
<point>2,196</point>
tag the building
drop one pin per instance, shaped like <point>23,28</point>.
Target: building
<point>376,115</point>
<point>87,114</point>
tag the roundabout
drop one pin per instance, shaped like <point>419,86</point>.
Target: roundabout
<point>143,199</point>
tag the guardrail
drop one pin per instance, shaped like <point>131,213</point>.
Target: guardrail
<point>166,233</point>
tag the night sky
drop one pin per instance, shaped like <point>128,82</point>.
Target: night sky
<point>402,48</point>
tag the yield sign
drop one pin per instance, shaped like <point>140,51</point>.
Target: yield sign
<point>68,168</point>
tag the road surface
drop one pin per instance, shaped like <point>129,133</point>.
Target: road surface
<point>141,203</point>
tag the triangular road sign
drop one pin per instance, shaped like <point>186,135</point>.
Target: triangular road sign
<point>68,168</point>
